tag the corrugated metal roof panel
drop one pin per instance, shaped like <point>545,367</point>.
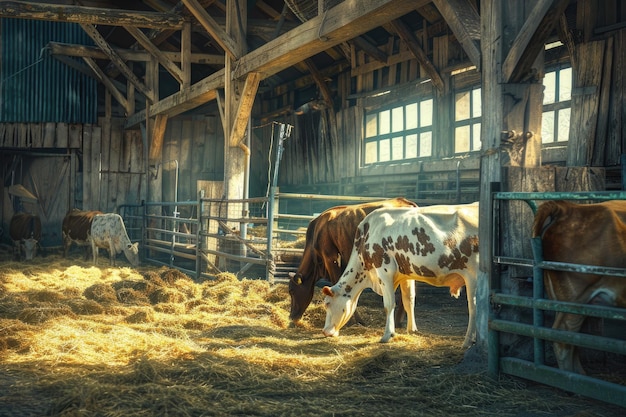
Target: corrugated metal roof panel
<point>34,86</point>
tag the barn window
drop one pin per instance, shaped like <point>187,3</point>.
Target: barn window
<point>467,117</point>
<point>557,98</point>
<point>399,133</point>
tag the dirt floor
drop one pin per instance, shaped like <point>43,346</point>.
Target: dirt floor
<point>81,340</point>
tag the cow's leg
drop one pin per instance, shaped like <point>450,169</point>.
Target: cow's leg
<point>389,301</point>
<point>567,355</point>
<point>94,252</point>
<point>470,292</point>
<point>67,241</point>
<point>112,253</point>
<point>407,290</point>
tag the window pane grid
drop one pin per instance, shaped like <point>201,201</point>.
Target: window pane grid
<point>467,119</point>
<point>399,133</point>
<point>557,97</point>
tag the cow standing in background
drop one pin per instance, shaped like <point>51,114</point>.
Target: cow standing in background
<point>437,245</point>
<point>586,234</point>
<point>25,231</point>
<point>108,232</point>
<point>329,239</point>
<point>77,229</point>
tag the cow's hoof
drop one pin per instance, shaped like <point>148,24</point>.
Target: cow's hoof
<point>385,339</point>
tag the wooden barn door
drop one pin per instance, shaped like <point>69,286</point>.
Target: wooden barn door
<point>47,177</point>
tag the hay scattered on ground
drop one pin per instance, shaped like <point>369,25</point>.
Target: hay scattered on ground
<point>79,340</point>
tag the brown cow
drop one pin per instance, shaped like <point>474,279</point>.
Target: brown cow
<point>77,228</point>
<point>586,234</point>
<point>329,239</point>
<point>25,231</point>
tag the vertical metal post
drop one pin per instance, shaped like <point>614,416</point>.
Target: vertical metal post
<point>284,133</point>
<point>538,344</point>
<point>493,274</point>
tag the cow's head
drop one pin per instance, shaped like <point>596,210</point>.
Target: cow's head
<point>131,251</point>
<point>301,294</point>
<point>30,248</point>
<point>340,307</point>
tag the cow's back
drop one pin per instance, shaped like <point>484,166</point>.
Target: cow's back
<point>77,224</point>
<point>25,226</point>
<point>590,234</point>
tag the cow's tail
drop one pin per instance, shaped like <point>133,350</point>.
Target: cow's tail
<point>547,213</point>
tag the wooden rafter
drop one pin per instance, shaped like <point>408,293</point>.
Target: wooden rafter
<point>244,108</point>
<point>117,61</point>
<point>464,21</point>
<point>57,48</point>
<point>89,15</point>
<point>412,43</point>
<point>370,49</point>
<point>211,26</point>
<point>321,83</point>
<point>341,23</point>
<point>143,40</point>
<point>543,18</point>
<point>107,82</point>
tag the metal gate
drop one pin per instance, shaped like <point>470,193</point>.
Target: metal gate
<point>537,305</point>
<point>254,237</point>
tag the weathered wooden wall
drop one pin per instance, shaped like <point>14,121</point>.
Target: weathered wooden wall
<point>196,145</point>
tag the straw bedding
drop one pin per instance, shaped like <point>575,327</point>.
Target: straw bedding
<point>79,340</point>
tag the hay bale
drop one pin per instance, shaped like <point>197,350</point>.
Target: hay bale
<point>101,293</point>
<point>141,316</point>
<point>166,295</point>
<point>131,296</point>
<point>46,296</point>
<point>170,308</point>
<point>170,276</point>
<point>41,314</point>
<point>85,307</point>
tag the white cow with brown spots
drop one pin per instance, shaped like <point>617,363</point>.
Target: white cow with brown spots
<point>437,245</point>
<point>108,232</point>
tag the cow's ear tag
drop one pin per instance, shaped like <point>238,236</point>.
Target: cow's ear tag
<point>299,281</point>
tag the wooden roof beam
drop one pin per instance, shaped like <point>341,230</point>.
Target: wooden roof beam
<point>530,41</point>
<point>339,24</point>
<point>370,49</point>
<point>117,61</point>
<point>321,83</point>
<point>101,76</point>
<point>244,108</point>
<point>413,44</point>
<point>57,48</point>
<point>89,15</point>
<point>143,40</point>
<point>221,37</point>
<point>464,21</point>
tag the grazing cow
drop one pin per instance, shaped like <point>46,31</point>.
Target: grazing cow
<point>108,231</point>
<point>77,228</point>
<point>586,234</point>
<point>437,245</point>
<point>329,239</point>
<point>25,231</point>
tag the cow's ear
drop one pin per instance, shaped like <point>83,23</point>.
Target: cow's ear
<point>292,274</point>
<point>328,291</point>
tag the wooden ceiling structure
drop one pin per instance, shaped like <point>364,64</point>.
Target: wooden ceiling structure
<point>199,42</point>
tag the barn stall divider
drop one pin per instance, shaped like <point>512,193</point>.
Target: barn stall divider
<point>519,318</point>
<point>260,237</point>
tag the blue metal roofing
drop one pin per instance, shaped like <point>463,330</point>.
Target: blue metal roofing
<point>35,87</point>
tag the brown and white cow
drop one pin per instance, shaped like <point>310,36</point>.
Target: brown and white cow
<point>25,231</point>
<point>329,239</point>
<point>586,234</point>
<point>108,232</point>
<point>437,245</point>
<point>76,228</point>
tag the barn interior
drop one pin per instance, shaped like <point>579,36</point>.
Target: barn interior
<point>113,106</point>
